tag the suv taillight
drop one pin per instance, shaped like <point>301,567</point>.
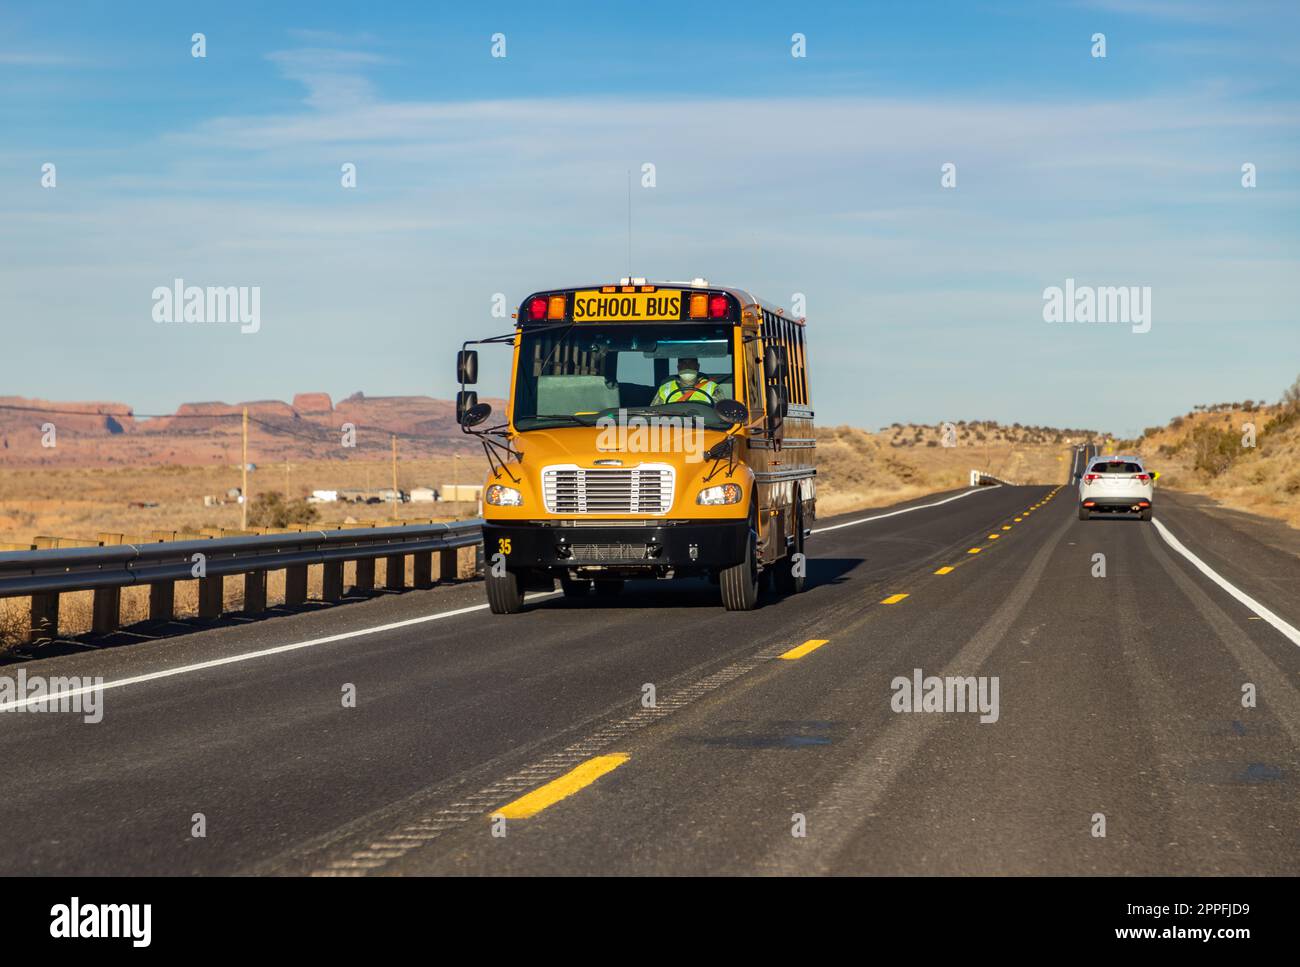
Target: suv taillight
<point>1090,477</point>
<point>1143,477</point>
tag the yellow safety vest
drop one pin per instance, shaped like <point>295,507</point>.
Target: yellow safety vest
<point>705,387</point>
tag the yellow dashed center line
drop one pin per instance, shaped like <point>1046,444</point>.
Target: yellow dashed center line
<point>812,644</point>
<point>1018,519</point>
<point>944,570</point>
<point>994,537</point>
<point>893,599</point>
<point>1006,527</point>
<point>973,550</point>
<point>557,789</point>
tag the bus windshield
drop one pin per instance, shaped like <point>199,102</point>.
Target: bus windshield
<point>576,374</point>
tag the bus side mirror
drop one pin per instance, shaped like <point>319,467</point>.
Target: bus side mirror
<point>774,362</point>
<point>469,411</point>
<point>467,367</point>
<point>777,404</point>
<point>732,411</point>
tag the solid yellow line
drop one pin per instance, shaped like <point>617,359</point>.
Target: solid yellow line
<point>894,599</point>
<point>973,550</point>
<point>944,570</point>
<point>812,644</point>
<point>557,789</point>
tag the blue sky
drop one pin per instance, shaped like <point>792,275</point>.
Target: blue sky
<point>819,175</point>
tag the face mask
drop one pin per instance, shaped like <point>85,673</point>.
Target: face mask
<point>688,376</point>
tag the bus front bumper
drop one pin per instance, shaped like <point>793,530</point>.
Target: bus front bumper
<point>679,545</point>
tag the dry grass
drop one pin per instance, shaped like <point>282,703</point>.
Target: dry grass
<point>80,503</point>
<point>857,469</point>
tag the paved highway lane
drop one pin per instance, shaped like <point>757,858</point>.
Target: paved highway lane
<point>282,772</point>
<point>1118,696</point>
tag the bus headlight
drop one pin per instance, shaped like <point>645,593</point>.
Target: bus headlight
<point>728,493</point>
<point>501,496</point>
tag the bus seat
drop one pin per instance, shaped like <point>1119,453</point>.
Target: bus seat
<point>574,394</point>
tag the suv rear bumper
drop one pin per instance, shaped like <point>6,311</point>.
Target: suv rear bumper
<point>1116,504</point>
<point>681,545</point>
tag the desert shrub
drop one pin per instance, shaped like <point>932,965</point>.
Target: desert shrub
<point>272,510</point>
<point>1214,450</point>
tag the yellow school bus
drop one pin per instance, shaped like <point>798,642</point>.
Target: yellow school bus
<point>653,430</point>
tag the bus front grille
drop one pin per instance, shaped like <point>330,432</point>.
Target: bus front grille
<point>646,489</point>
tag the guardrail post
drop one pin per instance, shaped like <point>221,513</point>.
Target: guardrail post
<point>447,564</point>
<point>395,572</point>
<point>366,574</point>
<point>295,584</point>
<point>106,613</point>
<point>422,569</point>
<point>254,592</point>
<point>332,581</point>
<point>162,601</point>
<point>45,616</point>
<point>211,596</point>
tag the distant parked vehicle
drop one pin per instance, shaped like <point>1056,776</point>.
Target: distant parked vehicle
<point>1116,485</point>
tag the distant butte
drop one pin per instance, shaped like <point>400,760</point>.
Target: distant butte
<point>208,432</point>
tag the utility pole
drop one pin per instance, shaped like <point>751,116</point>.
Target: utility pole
<point>396,495</point>
<point>243,491</point>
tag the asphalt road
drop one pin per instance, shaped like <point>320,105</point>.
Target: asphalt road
<point>1119,703</point>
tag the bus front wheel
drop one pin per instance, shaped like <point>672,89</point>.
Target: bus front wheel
<point>505,593</point>
<point>740,581</point>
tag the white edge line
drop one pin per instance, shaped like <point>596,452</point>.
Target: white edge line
<point>905,510</point>
<point>1287,630</point>
<point>247,656</point>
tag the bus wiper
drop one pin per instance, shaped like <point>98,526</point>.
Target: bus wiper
<point>568,417</point>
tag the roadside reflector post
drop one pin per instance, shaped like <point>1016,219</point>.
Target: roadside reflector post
<point>447,564</point>
<point>211,596</point>
<point>162,601</point>
<point>254,592</point>
<point>295,585</point>
<point>332,581</point>
<point>395,572</point>
<point>106,612</point>
<point>422,569</point>
<point>365,574</point>
<point>45,617</point>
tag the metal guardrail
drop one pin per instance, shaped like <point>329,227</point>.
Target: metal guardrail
<point>45,574</point>
<point>978,478</point>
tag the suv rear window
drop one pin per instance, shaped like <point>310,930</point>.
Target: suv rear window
<point>1116,467</point>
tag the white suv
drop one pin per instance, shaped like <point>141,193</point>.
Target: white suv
<point>1116,485</point>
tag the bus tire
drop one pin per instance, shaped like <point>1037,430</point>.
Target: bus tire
<point>740,582</point>
<point>505,594</point>
<point>787,582</point>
